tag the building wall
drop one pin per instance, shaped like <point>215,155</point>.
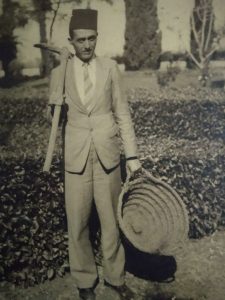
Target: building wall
<point>219,9</point>
<point>111,27</point>
<point>174,16</point>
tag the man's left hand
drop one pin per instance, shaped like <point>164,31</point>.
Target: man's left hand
<point>133,165</point>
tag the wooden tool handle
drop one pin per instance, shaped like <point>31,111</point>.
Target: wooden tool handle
<point>50,48</point>
<point>52,139</point>
<point>58,104</point>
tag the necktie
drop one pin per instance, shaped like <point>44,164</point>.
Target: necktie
<point>88,86</point>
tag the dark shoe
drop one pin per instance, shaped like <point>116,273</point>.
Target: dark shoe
<point>87,294</point>
<point>122,290</point>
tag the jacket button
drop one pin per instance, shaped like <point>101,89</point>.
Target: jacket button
<point>91,129</point>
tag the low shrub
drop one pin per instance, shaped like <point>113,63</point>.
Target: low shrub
<point>33,240</point>
<point>201,186</point>
<point>165,78</point>
<point>22,110</point>
<point>179,119</point>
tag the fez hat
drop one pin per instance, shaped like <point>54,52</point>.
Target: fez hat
<point>83,19</point>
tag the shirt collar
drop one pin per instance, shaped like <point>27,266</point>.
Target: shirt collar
<point>81,63</point>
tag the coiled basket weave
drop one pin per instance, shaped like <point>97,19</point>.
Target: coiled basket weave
<point>151,215</point>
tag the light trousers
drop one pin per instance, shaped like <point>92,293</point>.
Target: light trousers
<point>80,190</point>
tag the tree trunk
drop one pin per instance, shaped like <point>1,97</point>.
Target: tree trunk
<point>46,59</point>
<point>41,8</point>
<point>8,49</point>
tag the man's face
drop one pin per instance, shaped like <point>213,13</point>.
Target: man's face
<point>84,43</point>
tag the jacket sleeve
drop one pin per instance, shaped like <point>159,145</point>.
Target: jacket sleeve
<point>55,96</point>
<point>122,114</point>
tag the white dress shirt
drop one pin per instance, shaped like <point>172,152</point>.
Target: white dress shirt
<point>79,75</point>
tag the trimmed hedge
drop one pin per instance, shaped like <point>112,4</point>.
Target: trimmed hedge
<point>33,229</point>
<point>201,186</point>
<point>33,223</point>
<point>189,120</point>
<point>33,240</point>
<point>21,106</point>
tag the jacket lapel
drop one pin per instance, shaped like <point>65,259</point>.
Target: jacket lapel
<point>71,88</point>
<point>101,77</point>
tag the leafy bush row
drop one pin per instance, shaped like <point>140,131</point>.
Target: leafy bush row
<point>200,184</point>
<point>189,120</point>
<point>167,112</point>
<point>30,104</point>
<point>22,110</point>
<point>19,108</point>
<point>185,94</point>
<point>33,241</point>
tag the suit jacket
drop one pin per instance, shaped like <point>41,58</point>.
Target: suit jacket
<point>109,115</point>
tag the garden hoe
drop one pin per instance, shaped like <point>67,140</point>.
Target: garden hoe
<point>57,101</point>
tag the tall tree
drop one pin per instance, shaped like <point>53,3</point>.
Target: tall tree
<point>11,18</point>
<point>41,8</point>
<point>142,38</point>
<point>204,39</point>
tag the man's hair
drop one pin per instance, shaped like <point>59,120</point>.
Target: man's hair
<point>71,33</point>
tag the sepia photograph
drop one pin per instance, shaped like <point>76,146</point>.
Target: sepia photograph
<point>112,150</point>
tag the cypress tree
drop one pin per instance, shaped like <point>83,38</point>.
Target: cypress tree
<point>142,38</point>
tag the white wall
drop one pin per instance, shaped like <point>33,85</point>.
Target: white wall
<point>219,10</point>
<point>174,23</point>
<point>111,26</point>
<point>174,17</point>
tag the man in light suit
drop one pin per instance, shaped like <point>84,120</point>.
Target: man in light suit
<point>97,112</point>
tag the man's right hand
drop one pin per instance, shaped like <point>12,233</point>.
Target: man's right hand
<point>65,54</point>
<point>49,114</point>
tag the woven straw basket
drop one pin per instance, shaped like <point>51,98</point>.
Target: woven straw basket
<point>151,215</point>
